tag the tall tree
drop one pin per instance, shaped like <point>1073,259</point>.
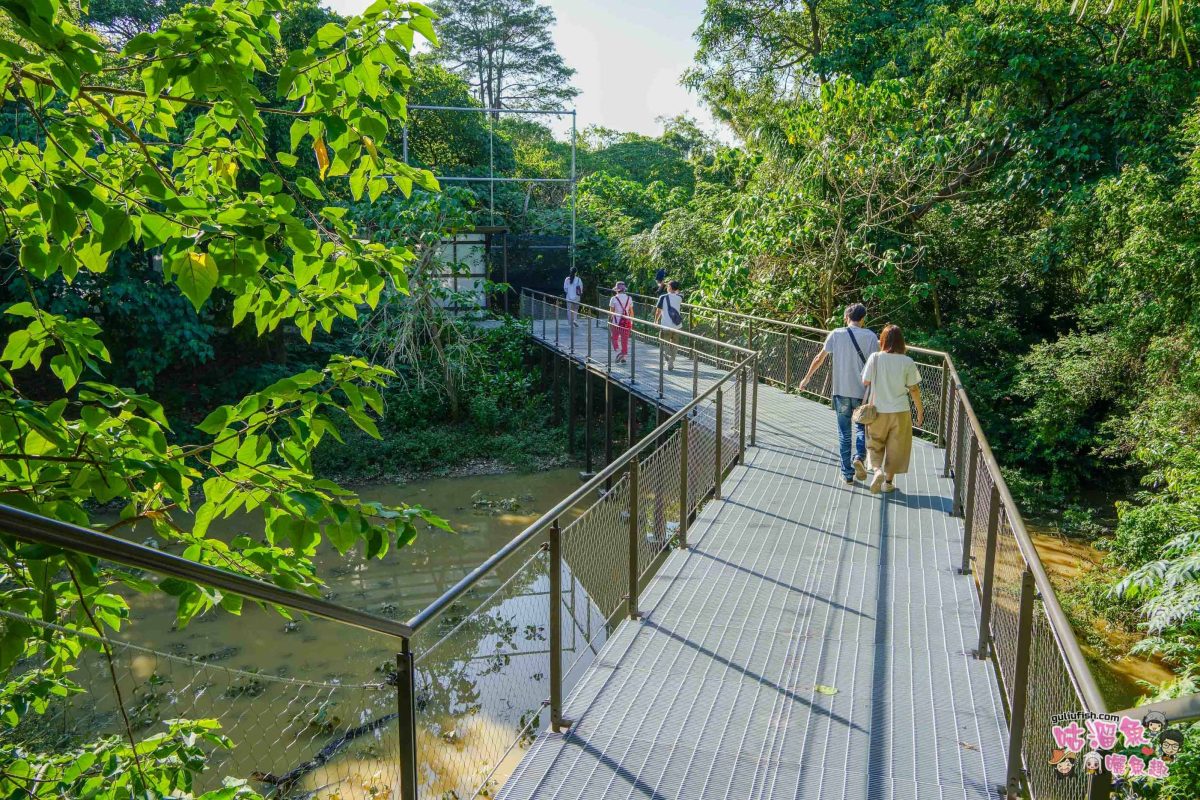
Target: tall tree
<point>505,51</point>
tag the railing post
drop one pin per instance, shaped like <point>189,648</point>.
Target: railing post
<point>571,331</point>
<point>661,364</point>
<point>742,418</point>
<point>717,478</point>
<point>633,539</point>
<point>557,321</point>
<point>609,346</point>
<point>1020,695</point>
<point>695,372</point>
<point>718,336</point>
<point>557,723</point>
<point>969,511</point>
<point>406,696</point>
<point>787,360</point>
<point>960,476</point>
<point>684,506</point>
<point>542,306</point>
<point>754,401</point>
<point>943,411</point>
<point>632,354</point>
<point>989,576</point>
<point>588,325</point>
<point>951,400</point>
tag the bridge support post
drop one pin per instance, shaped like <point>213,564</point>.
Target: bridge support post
<point>633,539</point>
<point>608,425</point>
<point>406,699</point>
<point>631,421</point>
<point>742,416</point>
<point>570,406</point>
<point>557,723</point>
<point>717,476</point>
<point>684,507</point>
<point>587,421</point>
<point>555,402</point>
<point>989,576</point>
<point>1020,693</point>
<point>969,511</point>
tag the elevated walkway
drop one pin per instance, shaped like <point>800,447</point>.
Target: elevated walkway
<point>814,641</point>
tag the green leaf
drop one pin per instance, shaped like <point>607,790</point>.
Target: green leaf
<point>329,34</point>
<point>196,275</point>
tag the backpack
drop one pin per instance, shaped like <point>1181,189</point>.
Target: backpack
<point>672,311</point>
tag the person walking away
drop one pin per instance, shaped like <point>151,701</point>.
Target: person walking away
<point>660,283</point>
<point>573,289</point>
<point>891,378</point>
<point>850,347</point>
<point>620,321</point>
<point>669,314</point>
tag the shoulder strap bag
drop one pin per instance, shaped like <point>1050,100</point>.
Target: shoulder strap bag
<point>867,412</point>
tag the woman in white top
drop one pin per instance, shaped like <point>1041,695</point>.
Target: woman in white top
<point>573,289</point>
<point>891,378</point>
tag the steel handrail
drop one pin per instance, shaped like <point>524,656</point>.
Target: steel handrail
<point>1081,673</point>
<point>685,306</point>
<point>552,299</point>
<point>543,522</point>
<point>30,527</point>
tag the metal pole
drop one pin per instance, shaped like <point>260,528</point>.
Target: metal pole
<point>684,507</point>
<point>404,146</point>
<point>951,399</point>
<point>608,423</point>
<point>742,418</point>
<point>571,330</point>
<point>587,420</point>
<point>632,354</point>
<point>557,321</point>
<point>557,723</point>
<point>588,325</point>
<point>633,539</point>
<point>631,421</point>
<point>787,361</point>
<point>754,403</point>
<point>406,707</point>
<point>609,347</point>
<point>573,189</point>
<point>554,400</point>
<point>570,407</point>
<point>717,478</point>
<point>960,475</point>
<point>989,575</point>
<point>1016,727</point>
<point>943,412</point>
<point>695,373</point>
<point>969,512</point>
<point>661,363</point>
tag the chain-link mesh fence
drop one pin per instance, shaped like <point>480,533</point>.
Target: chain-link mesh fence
<point>335,735</point>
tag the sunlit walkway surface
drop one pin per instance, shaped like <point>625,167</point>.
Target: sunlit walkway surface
<point>813,642</point>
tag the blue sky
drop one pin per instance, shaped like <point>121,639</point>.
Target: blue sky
<point>628,56</point>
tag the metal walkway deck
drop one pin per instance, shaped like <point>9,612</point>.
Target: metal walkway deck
<point>813,642</point>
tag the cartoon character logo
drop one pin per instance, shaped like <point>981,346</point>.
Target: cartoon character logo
<point>1063,762</point>
<point>1092,763</point>
<point>1155,722</point>
<point>1170,742</point>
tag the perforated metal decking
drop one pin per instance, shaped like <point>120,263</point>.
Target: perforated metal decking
<point>814,642</point>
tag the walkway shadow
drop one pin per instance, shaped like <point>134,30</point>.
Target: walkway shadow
<point>781,584</point>
<point>880,746</point>
<point>642,788</point>
<point>754,676</point>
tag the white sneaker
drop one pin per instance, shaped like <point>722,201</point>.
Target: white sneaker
<point>877,482</point>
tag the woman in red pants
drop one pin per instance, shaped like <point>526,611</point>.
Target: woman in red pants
<point>620,320</point>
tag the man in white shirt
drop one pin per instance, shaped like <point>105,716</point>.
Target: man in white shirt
<point>669,313</point>
<point>850,346</point>
<point>573,290</point>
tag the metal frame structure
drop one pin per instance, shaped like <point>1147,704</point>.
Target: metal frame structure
<point>491,179</point>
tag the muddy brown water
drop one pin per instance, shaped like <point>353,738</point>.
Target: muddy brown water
<point>287,690</point>
<point>1124,680</point>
